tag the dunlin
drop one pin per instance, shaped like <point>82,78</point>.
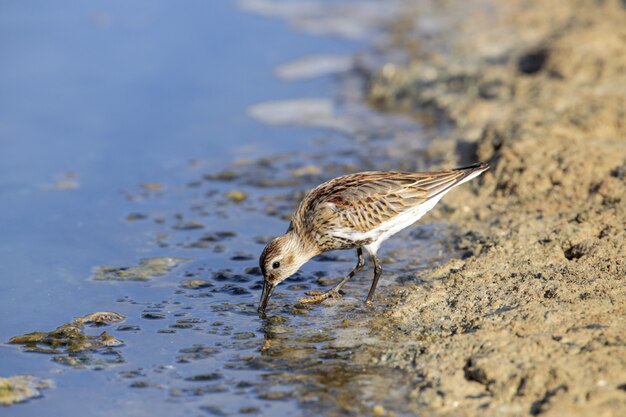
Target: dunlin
<point>354,211</point>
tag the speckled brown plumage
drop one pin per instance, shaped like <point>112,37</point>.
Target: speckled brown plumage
<point>363,201</point>
<point>355,211</point>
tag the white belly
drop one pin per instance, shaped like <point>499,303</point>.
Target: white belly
<point>390,227</point>
<point>393,226</point>
<point>402,221</point>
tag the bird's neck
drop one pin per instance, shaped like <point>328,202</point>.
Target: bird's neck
<point>303,248</point>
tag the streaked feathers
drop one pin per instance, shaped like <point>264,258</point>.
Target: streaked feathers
<point>348,207</point>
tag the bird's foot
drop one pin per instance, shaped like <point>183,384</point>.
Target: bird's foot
<point>317,297</point>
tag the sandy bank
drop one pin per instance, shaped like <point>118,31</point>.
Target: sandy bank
<point>533,320</point>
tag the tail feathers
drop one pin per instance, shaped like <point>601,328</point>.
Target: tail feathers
<point>480,166</point>
<point>471,172</point>
<point>468,173</point>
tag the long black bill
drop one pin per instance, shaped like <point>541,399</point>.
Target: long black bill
<point>268,289</point>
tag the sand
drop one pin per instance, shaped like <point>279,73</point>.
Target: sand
<point>532,320</point>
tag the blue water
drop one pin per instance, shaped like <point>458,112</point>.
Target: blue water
<point>121,93</point>
<point>124,101</point>
<point>98,98</point>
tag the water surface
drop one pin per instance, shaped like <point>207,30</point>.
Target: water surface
<point>114,120</point>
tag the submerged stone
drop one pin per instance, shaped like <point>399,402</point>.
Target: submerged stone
<point>144,384</point>
<point>199,391</point>
<point>136,216</point>
<point>148,269</point>
<point>196,352</point>
<point>218,236</point>
<point>188,225</point>
<point>240,256</point>
<point>226,175</point>
<point>253,270</point>
<point>128,327</point>
<point>153,316</point>
<point>233,289</point>
<point>181,326</point>
<point>244,335</point>
<point>205,377</point>
<point>191,320</point>
<point>275,396</point>
<point>213,410</point>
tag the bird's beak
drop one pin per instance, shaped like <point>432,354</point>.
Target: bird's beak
<point>268,289</point>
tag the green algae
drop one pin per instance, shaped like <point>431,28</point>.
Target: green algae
<point>195,284</point>
<point>237,196</point>
<point>148,268</point>
<point>99,318</point>
<point>85,359</point>
<point>19,388</point>
<point>69,339</point>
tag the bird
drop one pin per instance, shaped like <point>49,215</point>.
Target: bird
<point>355,211</point>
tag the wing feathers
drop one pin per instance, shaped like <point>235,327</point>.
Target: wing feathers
<point>363,201</point>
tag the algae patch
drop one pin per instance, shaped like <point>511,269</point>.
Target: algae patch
<point>148,268</point>
<point>20,388</point>
<point>237,196</point>
<point>195,284</point>
<point>71,343</point>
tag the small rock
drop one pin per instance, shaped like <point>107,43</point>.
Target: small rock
<point>195,284</point>
<point>188,225</point>
<point>136,216</point>
<point>205,377</point>
<point>379,411</point>
<point>153,316</point>
<point>237,196</point>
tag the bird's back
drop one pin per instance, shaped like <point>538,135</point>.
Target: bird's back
<point>336,213</point>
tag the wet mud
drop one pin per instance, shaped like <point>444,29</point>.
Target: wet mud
<point>530,320</point>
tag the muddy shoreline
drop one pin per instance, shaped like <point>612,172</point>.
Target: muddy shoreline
<point>531,320</point>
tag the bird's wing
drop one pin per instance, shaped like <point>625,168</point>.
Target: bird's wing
<point>362,202</point>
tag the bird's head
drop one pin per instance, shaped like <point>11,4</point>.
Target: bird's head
<point>280,259</point>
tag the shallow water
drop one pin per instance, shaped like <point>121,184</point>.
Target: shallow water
<point>117,124</point>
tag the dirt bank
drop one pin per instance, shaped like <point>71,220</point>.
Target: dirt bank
<point>533,320</point>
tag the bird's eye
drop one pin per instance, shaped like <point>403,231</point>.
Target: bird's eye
<point>276,265</point>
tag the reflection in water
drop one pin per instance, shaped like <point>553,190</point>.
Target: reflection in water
<point>354,20</point>
<point>323,361</point>
<point>315,66</point>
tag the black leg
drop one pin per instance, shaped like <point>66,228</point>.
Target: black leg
<point>377,271</point>
<point>357,268</point>
<point>318,297</point>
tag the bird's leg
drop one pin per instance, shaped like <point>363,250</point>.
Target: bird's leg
<point>377,271</point>
<point>318,297</point>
